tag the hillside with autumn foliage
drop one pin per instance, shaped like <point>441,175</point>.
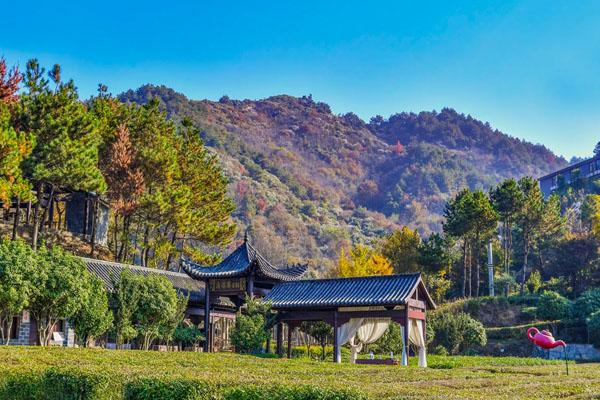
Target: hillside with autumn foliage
<point>310,182</point>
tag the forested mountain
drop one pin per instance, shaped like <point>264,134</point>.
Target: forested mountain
<point>310,181</point>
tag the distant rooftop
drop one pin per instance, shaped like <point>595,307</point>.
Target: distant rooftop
<point>109,272</point>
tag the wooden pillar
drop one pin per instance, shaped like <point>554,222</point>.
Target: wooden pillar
<point>279,339</point>
<point>406,328</point>
<point>336,346</point>
<point>250,286</point>
<point>207,316</point>
<point>289,339</point>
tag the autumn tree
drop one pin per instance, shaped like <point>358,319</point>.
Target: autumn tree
<point>125,186</point>
<point>14,148</point>
<point>401,248</point>
<point>363,261</point>
<point>9,82</point>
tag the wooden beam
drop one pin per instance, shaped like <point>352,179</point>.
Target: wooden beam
<point>417,304</point>
<point>342,317</point>
<point>416,314</point>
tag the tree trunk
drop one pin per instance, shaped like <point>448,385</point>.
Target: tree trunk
<point>42,222</point>
<point>470,270</point>
<point>28,214</point>
<point>16,219</point>
<point>170,256</point>
<point>525,256</point>
<point>5,334</point>
<point>145,246</point>
<point>464,280</point>
<point>36,216</point>
<point>477,265</point>
<point>93,234</point>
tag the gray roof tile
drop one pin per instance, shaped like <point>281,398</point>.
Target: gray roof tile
<point>345,292</point>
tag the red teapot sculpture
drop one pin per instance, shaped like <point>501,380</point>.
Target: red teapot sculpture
<point>543,339</point>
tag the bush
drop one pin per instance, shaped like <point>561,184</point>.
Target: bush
<point>587,304</point>
<point>21,387</point>
<point>161,389</point>
<point>249,333</point>
<point>534,283</point>
<point>552,306</point>
<point>291,393</point>
<point>316,352</point>
<point>457,332</point>
<point>73,384</point>
<point>593,323</point>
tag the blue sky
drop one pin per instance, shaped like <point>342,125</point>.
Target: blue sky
<point>530,68</point>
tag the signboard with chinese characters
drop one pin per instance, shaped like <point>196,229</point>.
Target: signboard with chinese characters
<point>232,285</point>
<point>25,317</point>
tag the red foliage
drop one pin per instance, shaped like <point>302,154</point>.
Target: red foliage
<point>9,82</point>
<point>125,180</point>
<point>399,148</point>
<point>261,204</point>
<point>241,189</point>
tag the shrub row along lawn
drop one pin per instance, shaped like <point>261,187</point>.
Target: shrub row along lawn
<point>58,373</point>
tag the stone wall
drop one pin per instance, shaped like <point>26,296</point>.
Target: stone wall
<point>579,352</point>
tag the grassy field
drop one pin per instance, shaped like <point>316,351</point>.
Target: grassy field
<point>448,377</point>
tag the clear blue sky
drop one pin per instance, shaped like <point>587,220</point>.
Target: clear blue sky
<point>530,68</point>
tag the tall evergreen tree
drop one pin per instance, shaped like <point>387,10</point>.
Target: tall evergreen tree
<point>507,199</point>
<point>66,152</point>
<point>529,220</point>
<point>484,220</point>
<point>459,225</point>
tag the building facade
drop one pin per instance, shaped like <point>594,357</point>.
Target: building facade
<point>585,170</point>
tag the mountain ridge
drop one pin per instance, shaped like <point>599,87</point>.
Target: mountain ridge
<point>310,182</point>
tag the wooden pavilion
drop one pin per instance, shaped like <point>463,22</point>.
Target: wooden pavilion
<point>245,272</point>
<point>399,298</point>
<point>347,304</point>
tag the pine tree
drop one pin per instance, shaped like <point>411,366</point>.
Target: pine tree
<point>66,150</point>
<point>507,199</point>
<point>530,219</point>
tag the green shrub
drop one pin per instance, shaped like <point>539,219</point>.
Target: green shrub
<point>586,304</point>
<point>534,283</point>
<point>249,333</point>
<point>161,389</point>
<point>457,332</point>
<point>316,352</point>
<point>291,393</point>
<point>74,384</point>
<point>26,386</point>
<point>593,323</point>
<point>552,306</point>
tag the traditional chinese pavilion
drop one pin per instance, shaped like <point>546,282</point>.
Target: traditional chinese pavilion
<point>359,309</point>
<point>245,272</point>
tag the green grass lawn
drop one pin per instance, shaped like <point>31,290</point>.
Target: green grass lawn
<point>448,377</point>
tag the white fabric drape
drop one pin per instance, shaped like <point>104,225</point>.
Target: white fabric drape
<point>404,361</point>
<point>416,337</point>
<point>369,332</point>
<point>345,333</point>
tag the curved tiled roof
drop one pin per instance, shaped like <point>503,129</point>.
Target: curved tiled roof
<point>239,262</point>
<point>385,290</point>
<point>109,271</point>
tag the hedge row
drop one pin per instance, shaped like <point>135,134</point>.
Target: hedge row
<point>73,384</point>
